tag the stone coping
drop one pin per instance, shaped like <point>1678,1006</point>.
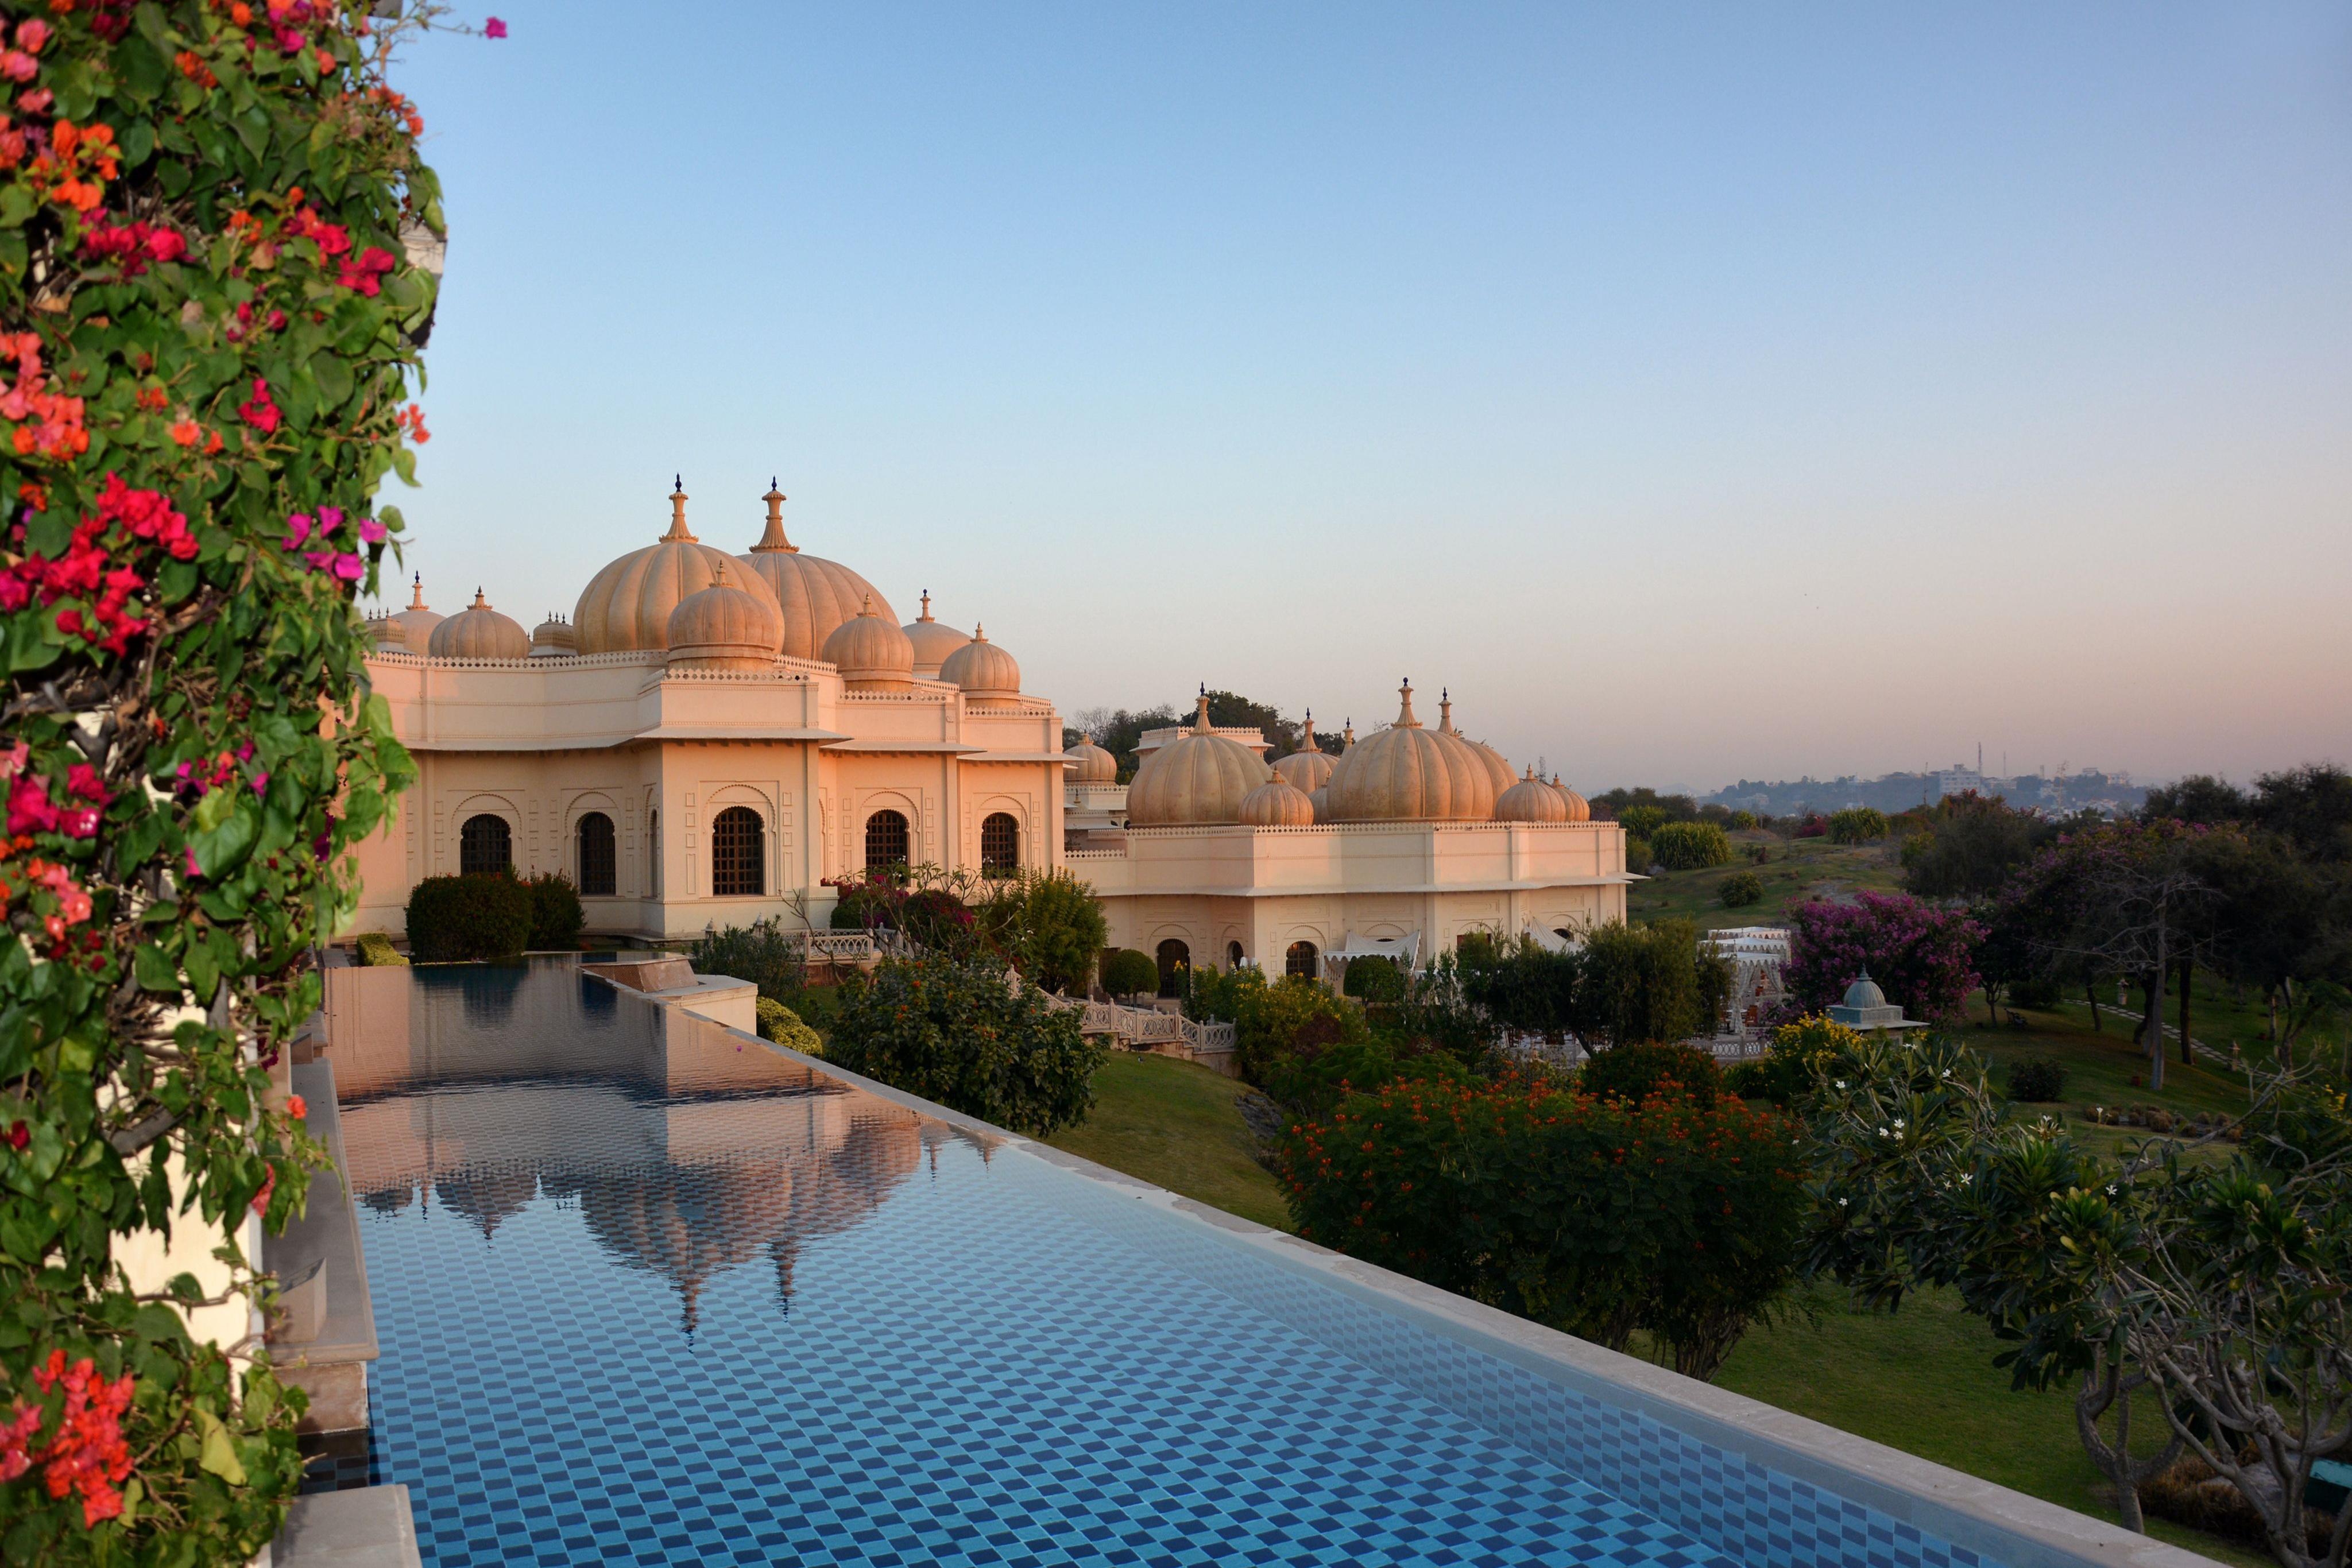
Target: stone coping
<point>327,1235</point>
<point>2018,1531</point>
<point>363,1527</point>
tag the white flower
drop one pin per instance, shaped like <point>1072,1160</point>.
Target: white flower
<point>1841,1203</point>
<point>1966,1177</point>
<point>1840,1082</point>
<point>1882,1131</point>
<point>2111,1190</point>
<point>1898,1123</point>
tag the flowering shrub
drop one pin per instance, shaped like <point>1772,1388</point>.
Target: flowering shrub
<point>1594,1215</point>
<point>969,1035</point>
<point>1794,1061</point>
<point>1923,956</point>
<point>206,326</point>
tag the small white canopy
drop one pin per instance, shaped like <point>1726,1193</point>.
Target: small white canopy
<point>1402,951</point>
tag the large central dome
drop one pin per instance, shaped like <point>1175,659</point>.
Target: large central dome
<point>1199,778</point>
<point>1406,773</point>
<point>819,596</point>
<point>628,605</point>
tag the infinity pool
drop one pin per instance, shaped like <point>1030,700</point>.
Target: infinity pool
<point>650,1293</point>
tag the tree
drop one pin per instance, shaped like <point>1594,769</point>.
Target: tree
<point>1973,844</point>
<point>1857,825</point>
<point>1615,803</point>
<point>2217,1284</point>
<point>208,322</point>
<point>2311,807</point>
<point>2200,799</point>
<point>1127,973</point>
<point>1691,846</point>
<point>1595,1215</point>
<point>966,1034</point>
<point>1049,924</point>
<point>1922,956</point>
<point>1638,983</point>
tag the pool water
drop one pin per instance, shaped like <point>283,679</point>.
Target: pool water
<point>649,1292</point>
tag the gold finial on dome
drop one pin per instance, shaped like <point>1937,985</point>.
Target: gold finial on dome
<point>1404,707</point>
<point>417,597</point>
<point>774,539</point>
<point>678,529</point>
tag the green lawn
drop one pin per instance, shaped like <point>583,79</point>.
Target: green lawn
<point>1174,1125</point>
<point>1798,869</point>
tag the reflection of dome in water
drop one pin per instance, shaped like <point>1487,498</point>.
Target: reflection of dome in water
<point>488,1197</point>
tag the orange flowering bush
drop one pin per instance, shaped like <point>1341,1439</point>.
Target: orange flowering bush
<point>208,321</point>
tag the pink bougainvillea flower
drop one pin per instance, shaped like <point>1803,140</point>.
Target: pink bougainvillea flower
<point>371,531</point>
<point>494,28</point>
<point>18,66</point>
<point>298,532</point>
<point>31,35</point>
<point>35,101</point>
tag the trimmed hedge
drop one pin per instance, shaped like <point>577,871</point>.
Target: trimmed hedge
<point>1127,973</point>
<point>1372,979</point>
<point>1740,889</point>
<point>1634,1072</point>
<point>487,916</point>
<point>376,951</point>
<point>556,916</point>
<point>781,1024</point>
<point>2037,1079</point>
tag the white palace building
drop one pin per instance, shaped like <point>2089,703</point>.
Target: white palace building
<point>713,738</point>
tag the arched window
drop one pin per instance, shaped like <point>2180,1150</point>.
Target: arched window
<point>653,852</point>
<point>1175,961</point>
<point>1301,960</point>
<point>485,844</point>
<point>1000,844</point>
<point>738,860</point>
<point>599,866</point>
<point>887,843</point>
<point>1234,955</point>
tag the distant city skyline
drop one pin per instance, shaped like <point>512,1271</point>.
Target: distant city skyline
<point>1696,393</point>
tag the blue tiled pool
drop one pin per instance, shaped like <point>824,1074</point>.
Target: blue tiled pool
<point>648,1293</point>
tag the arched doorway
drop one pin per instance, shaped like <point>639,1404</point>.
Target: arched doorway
<point>485,846</point>
<point>1175,964</point>
<point>1234,955</point>
<point>888,843</point>
<point>653,852</point>
<point>599,865</point>
<point>1301,960</point>
<point>1000,844</point>
<point>738,860</point>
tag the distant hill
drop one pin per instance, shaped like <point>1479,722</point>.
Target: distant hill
<point>1898,791</point>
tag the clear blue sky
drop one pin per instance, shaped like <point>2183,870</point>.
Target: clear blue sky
<point>1696,390</point>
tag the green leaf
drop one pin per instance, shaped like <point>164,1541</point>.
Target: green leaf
<point>220,1455</point>
<point>154,969</point>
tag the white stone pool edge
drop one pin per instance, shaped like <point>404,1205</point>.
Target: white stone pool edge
<point>2018,1531</point>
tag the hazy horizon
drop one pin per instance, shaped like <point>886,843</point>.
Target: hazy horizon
<point>1696,393</point>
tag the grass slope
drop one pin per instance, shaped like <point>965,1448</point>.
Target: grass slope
<point>1799,869</point>
<point>1174,1123</point>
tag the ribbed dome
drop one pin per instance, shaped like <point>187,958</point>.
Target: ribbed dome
<point>389,634</point>
<point>1499,771</point>
<point>871,652</point>
<point>1408,774</point>
<point>818,596</point>
<point>553,638</point>
<point>1579,809</point>
<point>933,642</point>
<point>628,605</point>
<point>1201,778</point>
<point>1531,801</point>
<point>416,622</point>
<point>479,633</point>
<point>983,669</point>
<point>1277,803</point>
<point>1865,992</point>
<point>725,627</point>
<point>1090,764</point>
<point>1307,768</point>
<point>1320,800</point>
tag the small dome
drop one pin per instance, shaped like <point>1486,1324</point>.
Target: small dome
<point>983,669</point>
<point>1090,764</point>
<point>725,627</point>
<point>933,642</point>
<point>1531,801</point>
<point>1408,774</point>
<point>1277,803</point>
<point>479,633</point>
<point>628,605</point>
<point>390,636</point>
<point>553,638</point>
<point>416,622</point>
<point>1498,771</point>
<point>1579,809</point>
<point>1306,768</point>
<point>1201,778</point>
<point>1865,992</point>
<point>818,596</point>
<point>1320,800</point>
<point>870,653</point>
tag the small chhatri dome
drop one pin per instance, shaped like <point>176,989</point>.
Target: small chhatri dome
<point>818,596</point>
<point>417,622</point>
<point>1309,769</point>
<point>1277,803</point>
<point>1200,778</point>
<point>479,633</point>
<point>628,605</point>
<point>1408,774</point>
<point>933,642</point>
<point>983,669</point>
<point>1321,801</point>
<point>553,638</point>
<point>725,627</point>
<point>1090,764</point>
<point>391,636</point>
<point>1499,771</point>
<point>1579,809</point>
<point>871,652</point>
<point>1531,801</point>
<point>1864,991</point>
